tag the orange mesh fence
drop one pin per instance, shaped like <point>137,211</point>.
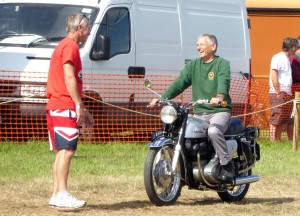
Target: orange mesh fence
<point>117,102</point>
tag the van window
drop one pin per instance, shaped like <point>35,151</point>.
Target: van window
<point>47,20</point>
<point>116,24</point>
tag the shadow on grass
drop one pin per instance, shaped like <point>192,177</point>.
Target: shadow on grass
<point>246,201</point>
<point>136,204</point>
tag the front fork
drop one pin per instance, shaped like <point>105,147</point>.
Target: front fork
<point>180,142</point>
<point>177,151</point>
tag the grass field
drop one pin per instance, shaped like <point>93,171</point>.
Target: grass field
<point>110,178</point>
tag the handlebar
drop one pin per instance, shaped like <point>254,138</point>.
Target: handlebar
<point>207,101</point>
<point>201,101</point>
<point>148,85</point>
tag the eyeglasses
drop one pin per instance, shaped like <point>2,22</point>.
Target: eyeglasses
<point>81,18</point>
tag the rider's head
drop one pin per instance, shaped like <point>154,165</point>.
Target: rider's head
<point>207,47</point>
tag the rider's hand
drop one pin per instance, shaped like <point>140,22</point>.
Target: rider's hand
<point>153,102</point>
<point>215,101</point>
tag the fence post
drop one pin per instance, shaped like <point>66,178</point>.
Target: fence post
<point>296,122</point>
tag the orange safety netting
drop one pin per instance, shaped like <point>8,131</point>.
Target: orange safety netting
<point>118,104</point>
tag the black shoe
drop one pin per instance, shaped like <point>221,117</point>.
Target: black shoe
<point>227,173</point>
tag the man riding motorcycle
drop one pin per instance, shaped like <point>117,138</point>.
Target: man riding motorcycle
<point>210,78</point>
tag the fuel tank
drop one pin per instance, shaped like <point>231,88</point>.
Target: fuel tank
<point>196,128</point>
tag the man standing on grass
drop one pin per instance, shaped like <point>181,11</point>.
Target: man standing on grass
<point>281,90</point>
<point>65,109</point>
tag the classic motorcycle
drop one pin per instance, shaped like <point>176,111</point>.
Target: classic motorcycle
<point>181,154</point>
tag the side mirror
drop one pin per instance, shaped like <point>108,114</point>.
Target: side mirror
<point>101,48</point>
<point>147,83</point>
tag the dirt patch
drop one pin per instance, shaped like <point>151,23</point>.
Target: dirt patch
<point>267,197</point>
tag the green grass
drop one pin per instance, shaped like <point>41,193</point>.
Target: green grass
<point>278,159</point>
<point>33,160</point>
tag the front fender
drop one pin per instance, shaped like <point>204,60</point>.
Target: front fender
<point>160,142</point>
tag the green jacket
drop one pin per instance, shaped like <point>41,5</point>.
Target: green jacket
<point>207,80</point>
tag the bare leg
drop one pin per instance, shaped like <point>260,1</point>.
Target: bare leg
<point>54,175</point>
<point>275,132</point>
<point>289,131</point>
<point>61,169</point>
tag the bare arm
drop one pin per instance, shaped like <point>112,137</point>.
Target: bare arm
<point>274,78</point>
<point>71,83</point>
<point>83,116</point>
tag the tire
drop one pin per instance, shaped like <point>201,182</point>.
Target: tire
<point>239,192</point>
<point>162,187</point>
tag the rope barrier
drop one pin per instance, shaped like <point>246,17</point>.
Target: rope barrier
<point>147,114</point>
<point>159,116</point>
<point>118,107</point>
<point>263,109</point>
<point>14,100</point>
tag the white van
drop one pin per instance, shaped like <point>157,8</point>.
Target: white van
<point>128,37</point>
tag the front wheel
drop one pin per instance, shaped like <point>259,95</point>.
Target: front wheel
<point>239,192</point>
<point>162,186</point>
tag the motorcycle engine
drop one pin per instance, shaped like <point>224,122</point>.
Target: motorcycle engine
<point>211,168</point>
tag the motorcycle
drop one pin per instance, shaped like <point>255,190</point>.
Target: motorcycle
<point>181,154</point>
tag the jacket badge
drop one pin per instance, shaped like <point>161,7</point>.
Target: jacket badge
<point>211,75</point>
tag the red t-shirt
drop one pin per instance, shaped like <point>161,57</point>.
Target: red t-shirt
<point>59,97</point>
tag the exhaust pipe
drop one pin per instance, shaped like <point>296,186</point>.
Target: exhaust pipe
<point>246,179</point>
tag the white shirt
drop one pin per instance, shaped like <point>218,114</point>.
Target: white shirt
<point>281,63</point>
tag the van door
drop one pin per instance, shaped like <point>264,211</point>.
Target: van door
<point>112,79</point>
<point>116,23</point>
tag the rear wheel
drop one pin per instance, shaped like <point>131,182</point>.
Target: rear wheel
<point>162,186</point>
<point>238,192</point>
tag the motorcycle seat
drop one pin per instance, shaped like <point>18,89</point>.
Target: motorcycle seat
<point>236,127</point>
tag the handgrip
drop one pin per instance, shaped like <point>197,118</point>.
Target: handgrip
<point>223,104</point>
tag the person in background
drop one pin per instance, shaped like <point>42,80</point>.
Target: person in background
<point>295,64</point>
<point>281,90</point>
<point>209,76</point>
<point>65,110</point>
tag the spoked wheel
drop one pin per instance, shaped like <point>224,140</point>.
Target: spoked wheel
<point>239,192</point>
<point>162,186</point>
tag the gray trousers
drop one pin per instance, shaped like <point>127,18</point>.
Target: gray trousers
<point>218,124</point>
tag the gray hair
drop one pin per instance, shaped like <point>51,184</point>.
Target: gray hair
<point>211,39</point>
<point>74,20</point>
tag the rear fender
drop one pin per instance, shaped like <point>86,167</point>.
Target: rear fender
<point>161,141</point>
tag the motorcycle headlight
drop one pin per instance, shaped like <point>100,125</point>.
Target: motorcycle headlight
<point>168,114</point>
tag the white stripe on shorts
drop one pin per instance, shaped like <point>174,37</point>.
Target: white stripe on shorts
<point>63,113</point>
